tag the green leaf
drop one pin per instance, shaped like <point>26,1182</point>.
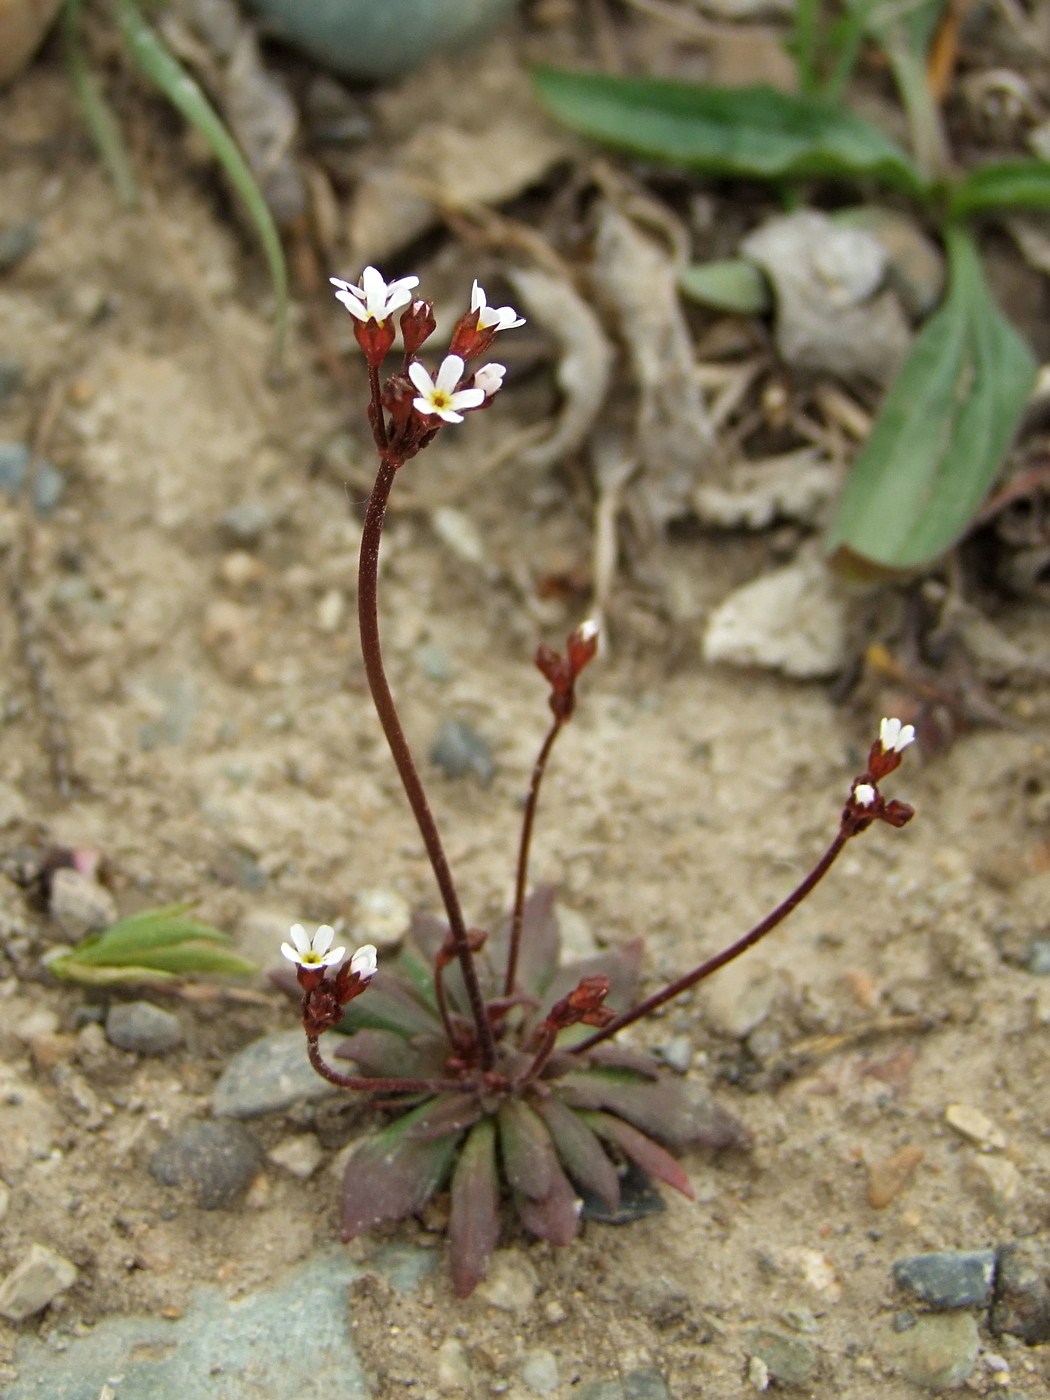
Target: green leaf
<point>1011,184</point>
<point>392,1174</point>
<point>98,114</point>
<point>728,284</point>
<point>127,940</point>
<point>186,96</point>
<point>942,432</point>
<point>753,132</point>
<point>473,1227</point>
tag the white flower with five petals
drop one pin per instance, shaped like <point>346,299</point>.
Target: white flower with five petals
<point>439,397</point>
<point>375,299</point>
<point>489,379</point>
<point>894,736</point>
<point>504,318</point>
<point>312,952</point>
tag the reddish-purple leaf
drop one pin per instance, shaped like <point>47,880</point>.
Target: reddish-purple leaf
<point>388,1005</point>
<point>620,965</point>
<point>527,1150</point>
<point>642,1150</point>
<point>609,1056</point>
<point>448,1113</point>
<point>473,1227</point>
<point>429,933</point>
<point>581,1153</point>
<point>384,1054</point>
<point>539,947</point>
<point>391,1175</point>
<point>557,1216</point>
<point>659,1107</point>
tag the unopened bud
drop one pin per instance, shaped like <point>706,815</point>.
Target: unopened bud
<point>418,324</point>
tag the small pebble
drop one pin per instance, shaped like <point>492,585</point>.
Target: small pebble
<point>1039,957</point>
<point>36,1280</point>
<point>740,998</point>
<point>639,1198</point>
<point>457,750</point>
<point>300,1155</point>
<point>331,609</point>
<point>247,522</point>
<point>888,1178</point>
<point>641,1384</point>
<point>993,1180</point>
<point>800,1320</point>
<point>216,1157</point>
<point>381,917</point>
<point>554,1312</point>
<point>511,1283</point>
<point>239,569</point>
<point>539,1371</point>
<point>435,663</point>
<point>903,1321</point>
<point>11,376</point>
<point>456,530</point>
<point>758,1373</point>
<point>975,1125</point>
<point>453,1368</point>
<point>79,904</point>
<point>272,1073</point>
<point>940,1351</point>
<point>142,1027</point>
<point>677,1053</point>
<point>950,1278</point>
<point>790,1359</point>
<point>661,1300</point>
<point>17,241</point>
<point>48,482</point>
<point>1022,1292</point>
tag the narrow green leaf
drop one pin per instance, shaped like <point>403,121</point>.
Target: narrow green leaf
<point>1012,184</point>
<point>184,94</point>
<point>942,432</point>
<point>728,284</point>
<point>98,114</point>
<point>129,939</point>
<point>753,132</point>
<point>70,970</point>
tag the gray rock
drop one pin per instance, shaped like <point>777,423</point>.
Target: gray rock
<point>1021,1305</point>
<point>790,1359</point>
<point>661,1300</point>
<point>36,1280</point>
<point>272,1074</point>
<point>940,1351</point>
<point>831,314</point>
<point>677,1053</point>
<point>511,1283</point>
<point>247,522</point>
<point>643,1384</point>
<point>48,482</point>
<point>217,1158</point>
<point>80,904</point>
<point>639,1198</point>
<point>263,1342</point>
<point>458,751</point>
<point>12,375</point>
<point>142,1027</point>
<point>539,1371</point>
<point>950,1278</point>
<point>17,241</point>
<point>915,265</point>
<point>740,998</point>
<point>1039,957</point>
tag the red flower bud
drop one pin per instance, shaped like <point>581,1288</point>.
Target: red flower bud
<point>418,324</point>
<point>375,339</point>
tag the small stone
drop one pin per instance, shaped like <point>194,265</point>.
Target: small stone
<point>247,522</point>
<point>142,1027</point>
<point>758,1373</point>
<point>994,1180</point>
<point>381,917</point>
<point>974,1125</point>
<point>239,569</point>
<point>642,1384</point>
<point>272,1074</point>
<point>5,1198</point>
<point>661,1300</point>
<point>940,1351</point>
<point>453,1368</point>
<point>1021,1306</point>
<point>458,751</point>
<point>217,1158</point>
<point>639,1198</point>
<point>677,1053</point>
<point>800,1320</point>
<point>48,481</point>
<point>787,1358</point>
<point>229,634</point>
<point>888,1178</point>
<point>511,1283</point>
<point>904,1320</point>
<point>301,1155</point>
<point>554,1312</point>
<point>12,376</point>
<point>35,1281</point>
<point>435,663</point>
<point>740,998</point>
<point>539,1371</point>
<point>1039,957</point>
<point>950,1278</point>
<point>79,904</point>
<point>17,241</point>
<point>331,610</point>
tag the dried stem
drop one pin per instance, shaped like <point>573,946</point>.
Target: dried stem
<point>389,1086</point>
<point>527,822</point>
<point>727,955</point>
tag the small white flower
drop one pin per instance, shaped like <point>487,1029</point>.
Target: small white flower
<point>489,379</point>
<point>504,318</point>
<point>895,736</point>
<point>313,952</point>
<point>364,962</point>
<point>587,631</point>
<point>375,299</point>
<point>440,397</point>
<point>864,794</point>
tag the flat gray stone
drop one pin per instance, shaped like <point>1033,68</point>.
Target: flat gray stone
<point>458,751</point>
<point>790,1359</point>
<point>36,1280</point>
<point>289,1341</point>
<point>217,1158</point>
<point>271,1074</point>
<point>539,1371</point>
<point>643,1384</point>
<point>1022,1292</point>
<point>940,1351</point>
<point>143,1028</point>
<point>949,1278</point>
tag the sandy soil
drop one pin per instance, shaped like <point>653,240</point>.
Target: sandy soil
<point>683,803</point>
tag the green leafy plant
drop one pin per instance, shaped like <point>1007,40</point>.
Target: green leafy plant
<point>948,419</point>
<point>157,945</point>
<point>497,1063</point>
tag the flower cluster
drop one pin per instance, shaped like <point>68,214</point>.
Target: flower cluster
<point>866,804</point>
<point>325,997</point>
<point>416,402</point>
<point>562,671</point>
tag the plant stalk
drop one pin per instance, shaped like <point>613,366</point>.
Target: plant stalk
<point>389,1086</point>
<point>527,821</point>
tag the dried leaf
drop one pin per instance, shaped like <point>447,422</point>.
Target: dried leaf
<point>392,1175</point>
<point>473,1228</point>
<point>584,364</point>
<point>557,1217</point>
<point>581,1153</point>
<point>639,280</point>
<point>527,1150</point>
<point>648,1154</point>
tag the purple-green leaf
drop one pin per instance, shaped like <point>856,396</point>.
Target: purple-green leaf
<point>473,1227</point>
<point>392,1175</point>
<point>557,1216</point>
<point>621,966</point>
<point>581,1153</point>
<point>388,1005</point>
<point>648,1154</point>
<point>660,1108</point>
<point>539,947</point>
<point>384,1054</point>
<point>448,1113</point>
<point>526,1148</point>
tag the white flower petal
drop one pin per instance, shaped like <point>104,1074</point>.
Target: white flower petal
<point>298,936</point>
<point>489,379</point>
<point>477,296</point>
<point>448,414</point>
<point>323,938</point>
<point>353,304</point>
<point>889,731</point>
<point>449,375</point>
<point>333,957</point>
<point>289,952</point>
<point>905,737</point>
<point>588,630</point>
<point>421,379</point>
<point>467,398</point>
<point>364,961</point>
<point>864,794</point>
<point>424,406</point>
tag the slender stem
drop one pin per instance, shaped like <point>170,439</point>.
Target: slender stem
<point>542,1056</point>
<point>523,854</point>
<point>389,1086</point>
<point>441,997</point>
<point>368,621</point>
<point>727,955</point>
<point>379,425</point>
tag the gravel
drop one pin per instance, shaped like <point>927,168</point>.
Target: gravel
<point>950,1278</point>
<point>217,1158</point>
<point>36,1280</point>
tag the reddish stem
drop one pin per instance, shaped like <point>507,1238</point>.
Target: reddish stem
<point>388,1086</point>
<point>727,955</point>
<point>441,997</point>
<point>371,650</point>
<point>527,821</point>
<point>539,1063</point>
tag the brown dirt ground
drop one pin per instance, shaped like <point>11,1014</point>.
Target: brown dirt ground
<point>683,803</point>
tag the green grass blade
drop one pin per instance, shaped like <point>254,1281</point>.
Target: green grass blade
<point>99,116</point>
<point>185,95</point>
<point>1011,184</point>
